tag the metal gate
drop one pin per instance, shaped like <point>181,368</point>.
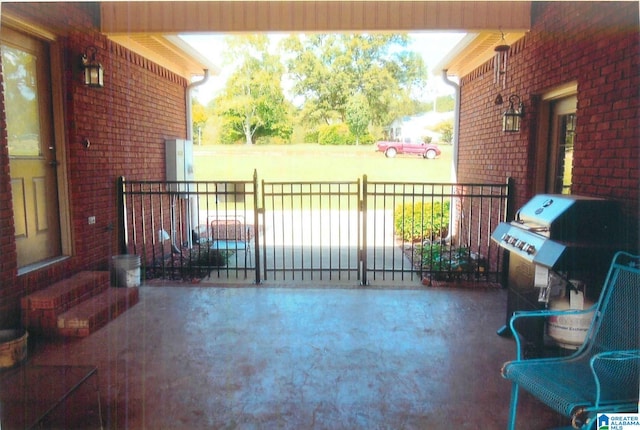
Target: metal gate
<point>353,232</point>
<point>311,231</point>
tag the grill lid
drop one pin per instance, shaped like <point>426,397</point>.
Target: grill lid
<point>558,231</point>
<point>570,218</point>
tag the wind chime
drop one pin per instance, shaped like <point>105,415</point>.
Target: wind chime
<point>500,63</point>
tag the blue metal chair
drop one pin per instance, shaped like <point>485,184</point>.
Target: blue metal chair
<point>232,234</point>
<point>603,374</point>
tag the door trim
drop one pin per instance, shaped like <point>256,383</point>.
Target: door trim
<point>544,129</point>
<point>58,131</point>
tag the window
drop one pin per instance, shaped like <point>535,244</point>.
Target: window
<point>555,143</point>
<point>563,127</point>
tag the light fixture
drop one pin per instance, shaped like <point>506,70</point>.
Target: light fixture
<point>513,114</point>
<point>93,71</point>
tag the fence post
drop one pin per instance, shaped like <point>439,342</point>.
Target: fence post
<point>122,216</point>
<point>508,216</point>
<point>256,228</point>
<point>510,207</point>
<point>362,242</point>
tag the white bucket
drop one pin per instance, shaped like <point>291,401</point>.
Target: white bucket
<point>125,270</point>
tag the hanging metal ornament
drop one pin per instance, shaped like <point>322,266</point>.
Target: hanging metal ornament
<point>500,63</point>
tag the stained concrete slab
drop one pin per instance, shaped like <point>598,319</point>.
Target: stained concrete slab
<point>255,357</point>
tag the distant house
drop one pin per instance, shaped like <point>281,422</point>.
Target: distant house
<point>418,126</point>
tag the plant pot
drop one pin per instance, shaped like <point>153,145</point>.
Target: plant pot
<point>13,347</point>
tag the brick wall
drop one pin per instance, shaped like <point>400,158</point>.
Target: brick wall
<point>594,44</point>
<point>126,122</point>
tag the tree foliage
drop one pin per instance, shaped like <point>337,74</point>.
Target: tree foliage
<point>445,128</point>
<point>199,118</point>
<point>253,102</point>
<point>328,68</point>
<point>358,116</point>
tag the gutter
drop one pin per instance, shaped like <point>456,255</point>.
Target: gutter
<point>188,97</point>
<point>453,226</point>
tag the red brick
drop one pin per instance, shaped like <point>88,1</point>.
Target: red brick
<point>96,312</point>
<point>597,50</point>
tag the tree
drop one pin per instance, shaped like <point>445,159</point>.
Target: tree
<point>327,68</point>
<point>253,101</point>
<point>199,117</point>
<point>358,116</point>
<point>445,128</point>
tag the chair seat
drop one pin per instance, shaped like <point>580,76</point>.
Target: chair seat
<point>568,384</point>
<point>229,245</point>
<point>562,385</point>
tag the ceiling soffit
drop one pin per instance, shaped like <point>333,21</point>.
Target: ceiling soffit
<point>169,51</point>
<point>174,17</point>
<point>150,27</point>
<point>474,50</point>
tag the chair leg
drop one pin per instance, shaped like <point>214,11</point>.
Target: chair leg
<point>513,407</point>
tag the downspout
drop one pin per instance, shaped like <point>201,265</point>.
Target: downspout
<point>453,225</point>
<point>193,216</point>
<point>188,97</point>
<point>456,124</point>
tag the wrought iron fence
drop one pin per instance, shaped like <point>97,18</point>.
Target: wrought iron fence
<point>363,232</point>
<point>190,230</point>
<point>311,231</point>
<point>442,230</point>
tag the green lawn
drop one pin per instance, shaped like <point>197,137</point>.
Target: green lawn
<point>316,163</point>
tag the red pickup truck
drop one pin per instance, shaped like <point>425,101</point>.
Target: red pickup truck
<point>408,146</point>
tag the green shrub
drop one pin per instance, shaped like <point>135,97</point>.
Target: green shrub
<point>442,258</point>
<point>421,221</point>
<point>271,140</point>
<point>204,257</point>
<point>311,136</point>
<point>335,134</point>
<point>367,139</point>
<point>445,128</point>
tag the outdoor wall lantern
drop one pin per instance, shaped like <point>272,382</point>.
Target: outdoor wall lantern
<point>513,114</point>
<point>93,71</point>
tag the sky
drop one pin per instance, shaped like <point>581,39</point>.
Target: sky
<point>432,46</point>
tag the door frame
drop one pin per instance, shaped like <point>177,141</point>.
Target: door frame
<point>58,131</point>
<point>543,141</point>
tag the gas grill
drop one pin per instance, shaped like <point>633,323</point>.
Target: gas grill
<point>564,237</point>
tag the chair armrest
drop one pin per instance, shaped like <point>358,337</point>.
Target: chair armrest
<point>621,355</point>
<point>538,314</point>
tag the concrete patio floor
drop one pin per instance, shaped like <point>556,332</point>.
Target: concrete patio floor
<point>257,357</point>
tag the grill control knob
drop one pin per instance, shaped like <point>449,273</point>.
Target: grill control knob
<point>530,249</point>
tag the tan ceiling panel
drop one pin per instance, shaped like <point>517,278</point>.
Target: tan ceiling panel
<point>145,25</point>
<point>173,17</point>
